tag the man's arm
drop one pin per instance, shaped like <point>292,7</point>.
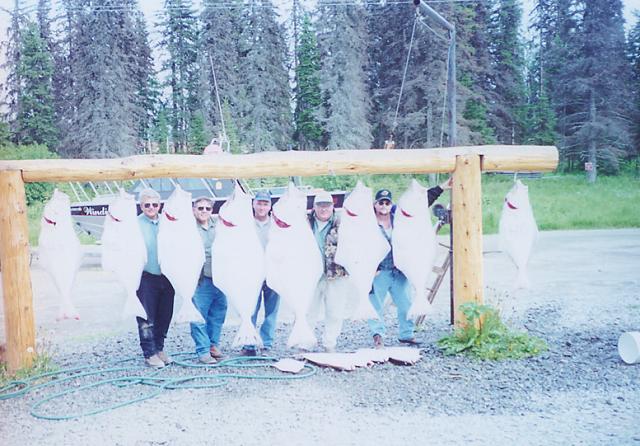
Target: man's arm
<point>435,192</point>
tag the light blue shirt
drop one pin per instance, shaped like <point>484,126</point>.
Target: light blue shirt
<point>207,234</point>
<point>150,234</point>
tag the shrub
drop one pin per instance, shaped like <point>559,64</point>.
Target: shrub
<point>486,337</point>
<point>36,192</point>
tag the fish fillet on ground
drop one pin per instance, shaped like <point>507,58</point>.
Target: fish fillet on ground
<point>238,262</point>
<point>518,230</point>
<point>294,263</point>
<point>123,250</point>
<point>414,244</point>
<point>361,246</point>
<point>180,251</point>
<point>59,250</point>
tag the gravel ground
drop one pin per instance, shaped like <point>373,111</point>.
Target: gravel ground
<point>585,292</point>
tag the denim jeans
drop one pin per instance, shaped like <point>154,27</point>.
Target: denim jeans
<point>394,282</point>
<point>271,305</point>
<point>156,296</point>
<point>212,304</point>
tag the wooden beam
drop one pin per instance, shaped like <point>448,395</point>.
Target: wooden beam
<point>16,278</point>
<point>466,209</point>
<point>269,164</point>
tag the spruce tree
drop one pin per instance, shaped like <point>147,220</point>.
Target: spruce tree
<point>308,133</point>
<point>346,104</point>
<point>265,104</point>
<point>13,85</point>
<point>35,119</point>
<point>598,130</point>
<point>507,54</point>
<point>180,37</point>
<point>634,58</point>
<point>102,109</point>
<point>220,29</point>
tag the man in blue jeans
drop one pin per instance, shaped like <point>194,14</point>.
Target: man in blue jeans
<point>390,279</point>
<point>271,299</point>
<point>208,299</point>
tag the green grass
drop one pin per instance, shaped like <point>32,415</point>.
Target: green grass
<point>558,201</point>
<point>42,363</point>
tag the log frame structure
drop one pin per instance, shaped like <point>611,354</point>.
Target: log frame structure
<point>465,163</point>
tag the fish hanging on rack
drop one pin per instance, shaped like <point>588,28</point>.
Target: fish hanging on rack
<point>518,230</point>
<point>238,267</point>
<point>361,246</point>
<point>59,250</point>
<point>294,262</point>
<point>180,251</point>
<point>414,244</point>
<point>123,250</point>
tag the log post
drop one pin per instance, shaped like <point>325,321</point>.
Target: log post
<point>16,277</point>
<point>466,204</point>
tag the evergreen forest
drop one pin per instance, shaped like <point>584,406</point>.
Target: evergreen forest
<point>85,79</point>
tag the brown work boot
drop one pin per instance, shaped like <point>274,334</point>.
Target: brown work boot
<point>377,341</point>
<point>164,357</point>
<point>215,352</point>
<point>154,361</point>
<point>207,359</point>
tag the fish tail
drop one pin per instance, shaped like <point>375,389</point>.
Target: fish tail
<point>302,334</point>
<point>365,310</point>
<point>188,313</point>
<point>67,311</point>
<point>522,280</point>
<point>247,335</point>
<point>419,307</point>
<point>133,307</point>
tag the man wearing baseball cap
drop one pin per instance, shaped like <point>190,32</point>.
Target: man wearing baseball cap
<point>334,289</point>
<point>271,299</point>
<point>390,279</point>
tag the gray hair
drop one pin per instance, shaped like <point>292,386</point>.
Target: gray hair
<point>148,193</point>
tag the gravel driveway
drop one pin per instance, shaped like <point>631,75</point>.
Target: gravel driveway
<point>585,292</point>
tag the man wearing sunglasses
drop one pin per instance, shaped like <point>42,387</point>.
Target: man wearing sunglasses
<point>271,299</point>
<point>155,292</point>
<point>390,279</point>
<point>208,299</point>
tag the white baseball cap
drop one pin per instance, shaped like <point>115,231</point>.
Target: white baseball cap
<point>323,197</point>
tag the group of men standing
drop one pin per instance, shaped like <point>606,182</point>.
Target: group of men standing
<point>334,294</point>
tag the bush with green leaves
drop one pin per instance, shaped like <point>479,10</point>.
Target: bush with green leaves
<point>36,192</point>
<point>485,336</point>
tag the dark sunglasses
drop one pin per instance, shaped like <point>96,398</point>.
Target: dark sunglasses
<point>148,205</point>
<point>204,208</point>
<point>384,202</point>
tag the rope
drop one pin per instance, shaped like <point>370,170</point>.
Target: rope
<point>404,74</point>
<point>445,96</point>
<point>215,85</point>
<point>156,381</point>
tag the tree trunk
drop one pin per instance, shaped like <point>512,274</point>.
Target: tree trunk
<point>592,173</point>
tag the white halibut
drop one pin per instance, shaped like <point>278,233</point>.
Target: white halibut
<point>361,246</point>
<point>238,267</point>
<point>294,263</point>
<point>518,230</point>
<point>59,250</point>
<point>414,244</point>
<point>180,251</point>
<point>123,250</point>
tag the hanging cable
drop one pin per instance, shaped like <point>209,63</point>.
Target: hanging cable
<point>224,140</point>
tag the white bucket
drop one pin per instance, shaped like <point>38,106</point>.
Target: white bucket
<point>629,347</point>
